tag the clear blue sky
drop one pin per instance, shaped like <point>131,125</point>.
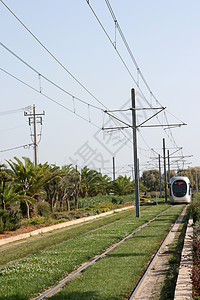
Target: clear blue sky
<point>162,35</point>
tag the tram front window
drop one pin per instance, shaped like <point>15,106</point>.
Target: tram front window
<point>179,188</point>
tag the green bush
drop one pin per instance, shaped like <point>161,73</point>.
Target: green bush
<point>195,209</point>
<point>9,220</point>
<point>38,220</point>
<point>43,209</point>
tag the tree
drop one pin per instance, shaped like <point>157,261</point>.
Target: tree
<point>69,186</point>
<point>5,178</point>
<point>123,186</point>
<point>150,179</point>
<point>90,180</point>
<point>28,181</point>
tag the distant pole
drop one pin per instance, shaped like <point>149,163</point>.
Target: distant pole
<point>137,203</point>
<point>168,159</point>
<point>197,188</point>
<point>35,136</point>
<point>34,119</point>
<point>113,168</point>
<point>165,173</point>
<point>160,175</point>
<point>132,173</point>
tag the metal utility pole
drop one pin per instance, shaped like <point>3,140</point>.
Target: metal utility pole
<point>113,168</point>
<point>160,175</point>
<point>137,201</point>
<point>165,174</point>
<point>168,166</point>
<point>34,118</point>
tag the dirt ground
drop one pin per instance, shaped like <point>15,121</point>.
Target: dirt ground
<point>19,231</point>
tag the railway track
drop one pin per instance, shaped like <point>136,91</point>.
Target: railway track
<point>118,247</point>
<point>145,286</point>
<point>71,276</point>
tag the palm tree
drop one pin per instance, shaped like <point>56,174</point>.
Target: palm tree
<point>122,185</point>
<point>5,178</point>
<point>90,180</point>
<point>28,180</point>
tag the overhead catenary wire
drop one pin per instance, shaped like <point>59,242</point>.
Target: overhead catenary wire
<point>51,54</point>
<point>59,104</point>
<point>118,53</point>
<point>47,79</point>
<point>117,26</point>
<point>54,84</point>
<point>46,96</point>
<point>130,52</point>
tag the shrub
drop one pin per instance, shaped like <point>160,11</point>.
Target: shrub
<point>195,209</point>
<point>43,209</point>
<point>9,220</point>
<point>196,262</point>
<point>38,220</point>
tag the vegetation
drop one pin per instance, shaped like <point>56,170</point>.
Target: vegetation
<point>32,274</point>
<point>196,248</point>
<point>175,250</point>
<point>44,189</point>
<point>63,193</point>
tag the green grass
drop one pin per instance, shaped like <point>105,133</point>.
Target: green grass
<point>115,276</point>
<point>33,246</point>
<point>175,250</point>
<point>28,276</point>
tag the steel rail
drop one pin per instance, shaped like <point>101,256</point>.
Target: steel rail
<point>71,276</point>
<point>153,259</point>
<point>57,231</point>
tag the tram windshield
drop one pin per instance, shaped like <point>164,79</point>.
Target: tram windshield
<point>179,188</point>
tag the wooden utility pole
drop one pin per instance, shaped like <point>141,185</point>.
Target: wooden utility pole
<point>34,119</point>
<point>35,136</point>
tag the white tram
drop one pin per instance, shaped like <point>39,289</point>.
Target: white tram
<point>180,190</point>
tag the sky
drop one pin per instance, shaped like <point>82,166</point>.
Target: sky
<point>95,73</point>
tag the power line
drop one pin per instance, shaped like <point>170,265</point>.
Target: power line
<point>49,98</point>
<point>117,27</point>
<point>13,111</point>
<point>57,86</point>
<point>61,105</point>
<point>18,147</point>
<point>52,55</point>
<point>129,50</point>
<point>47,79</point>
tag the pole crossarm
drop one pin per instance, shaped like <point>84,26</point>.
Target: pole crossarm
<point>161,109</point>
<point>114,128</point>
<point>148,108</point>
<point>113,116</point>
<point>164,125</point>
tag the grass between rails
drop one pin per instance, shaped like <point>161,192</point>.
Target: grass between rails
<point>31,275</point>
<point>115,276</point>
<point>43,242</point>
<point>169,285</point>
